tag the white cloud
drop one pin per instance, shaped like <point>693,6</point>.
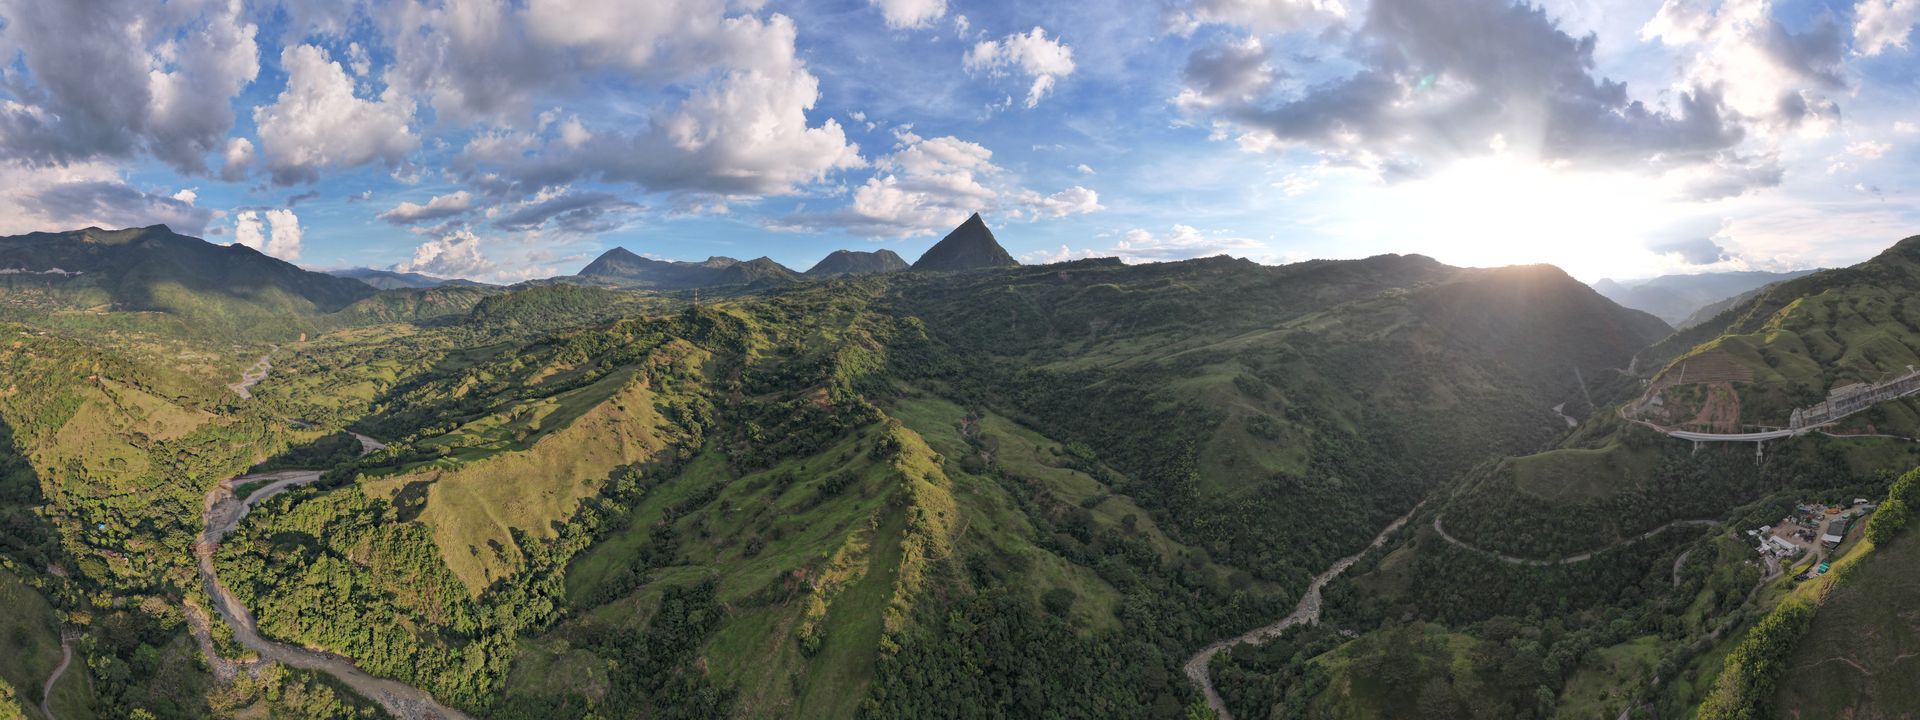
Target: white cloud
<point>1262,15</point>
<point>115,78</point>
<point>84,194</point>
<point>440,206</point>
<point>1084,169</point>
<point>742,133</point>
<point>1764,72</point>
<point>1882,24</point>
<point>277,233</point>
<point>454,254</point>
<point>1868,149</point>
<point>318,122</point>
<point>902,14</point>
<point>1033,54</point>
<point>1430,83</point>
<point>1075,200</point>
<point>236,158</point>
<point>1905,128</point>
<point>1181,242</point>
<point>931,185</point>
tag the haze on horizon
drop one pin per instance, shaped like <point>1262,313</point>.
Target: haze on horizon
<point>501,141</point>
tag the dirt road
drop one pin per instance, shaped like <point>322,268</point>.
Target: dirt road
<point>66,658</point>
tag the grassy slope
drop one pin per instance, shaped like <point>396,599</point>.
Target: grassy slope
<point>472,505</point>
<point>29,638</point>
<point>1862,656</point>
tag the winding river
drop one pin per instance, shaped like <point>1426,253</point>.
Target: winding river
<point>223,512</point>
<point>1306,611</point>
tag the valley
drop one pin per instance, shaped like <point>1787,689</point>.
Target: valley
<point>822,496</point>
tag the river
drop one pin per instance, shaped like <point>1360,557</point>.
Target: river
<point>1306,611</point>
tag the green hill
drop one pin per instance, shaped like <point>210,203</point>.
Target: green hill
<point>849,262</point>
<point>622,268</point>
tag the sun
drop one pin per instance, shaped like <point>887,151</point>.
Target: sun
<point>1502,210</point>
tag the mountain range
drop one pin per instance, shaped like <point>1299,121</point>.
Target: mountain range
<point>968,488</point>
<point>1681,299</point>
<point>971,246</point>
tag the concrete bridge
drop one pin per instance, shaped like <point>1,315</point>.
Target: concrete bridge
<point>1843,403</point>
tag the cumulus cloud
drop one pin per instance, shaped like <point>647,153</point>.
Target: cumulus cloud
<point>319,122</point>
<point>1765,73</point>
<point>903,14</point>
<point>1882,24</point>
<point>115,78</point>
<point>744,134</point>
<point>1032,54</point>
<point>455,253</point>
<point>440,206</point>
<point>103,200</point>
<point>1436,82</point>
<point>930,185</point>
<point>1232,74</point>
<point>275,232</point>
<point>583,213</point>
<point>237,157</point>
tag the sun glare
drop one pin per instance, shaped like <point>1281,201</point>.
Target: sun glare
<point>1502,210</point>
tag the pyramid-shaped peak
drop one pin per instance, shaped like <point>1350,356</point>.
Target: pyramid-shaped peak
<point>971,246</point>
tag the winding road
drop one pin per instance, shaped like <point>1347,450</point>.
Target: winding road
<point>1570,559</point>
<point>66,658</point>
<point>1306,611</point>
<point>223,512</point>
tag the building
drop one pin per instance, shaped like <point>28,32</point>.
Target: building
<point>1782,547</point>
<point>1835,533</point>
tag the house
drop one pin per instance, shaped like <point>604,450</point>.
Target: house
<point>1783,547</point>
<point>1836,532</point>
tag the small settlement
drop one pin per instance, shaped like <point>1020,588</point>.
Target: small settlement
<point>1812,529</point>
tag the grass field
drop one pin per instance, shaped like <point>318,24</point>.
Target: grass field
<point>1597,690</point>
<point>1581,474</point>
<point>29,638</point>
<point>1861,659</point>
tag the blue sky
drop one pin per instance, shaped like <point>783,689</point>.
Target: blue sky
<point>510,140</point>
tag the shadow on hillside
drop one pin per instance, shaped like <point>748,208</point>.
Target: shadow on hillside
<point>25,535</point>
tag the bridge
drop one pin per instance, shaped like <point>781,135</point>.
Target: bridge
<point>1843,402</point>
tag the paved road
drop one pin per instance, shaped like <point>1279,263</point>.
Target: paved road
<point>222,513</point>
<point>1570,559</point>
<point>1306,611</point>
<point>66,658</point>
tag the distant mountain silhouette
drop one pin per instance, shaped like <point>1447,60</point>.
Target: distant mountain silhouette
<point>622,267</point>
<point>969,247</point>
<point>847,262</point>
<point>1676,298</point>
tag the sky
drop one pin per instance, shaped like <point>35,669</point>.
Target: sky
<point>502,141</point>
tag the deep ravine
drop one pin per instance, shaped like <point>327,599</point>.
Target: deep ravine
<point>1306,611</point>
